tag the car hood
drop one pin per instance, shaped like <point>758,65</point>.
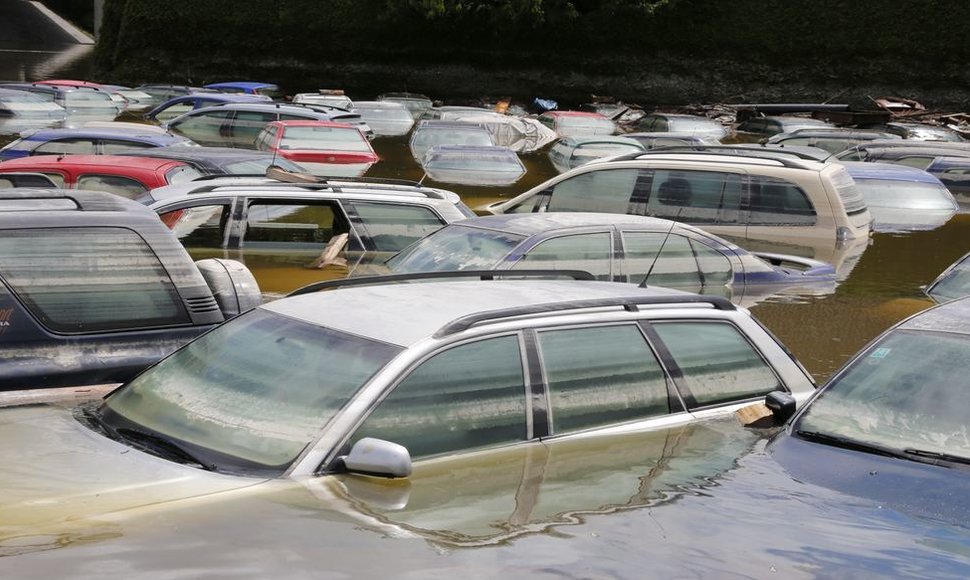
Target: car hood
<point>58,474</point>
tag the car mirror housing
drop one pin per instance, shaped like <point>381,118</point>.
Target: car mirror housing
<point>781,404</point>
<point>377,457</point>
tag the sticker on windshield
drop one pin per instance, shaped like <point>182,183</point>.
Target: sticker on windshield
<point>880,353</point>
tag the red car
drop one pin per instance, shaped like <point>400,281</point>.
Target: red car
<point>323,147</point>
<point>126,176</point>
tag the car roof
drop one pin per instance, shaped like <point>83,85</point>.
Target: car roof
<point>574,114</point>
<point>578,141</point>
<point>86,200</point>
<point>529,224</point>
<point>148,163</point>
<point>953,316</point>
<point>229,186</point>
<point>260,106</point>
<point>761,157</point>
<point>240,84</point>
<point>309,123</point>
<point>868,170</point>
<point>403,314</point>
<point>95,133</point>
<point>183,153</point>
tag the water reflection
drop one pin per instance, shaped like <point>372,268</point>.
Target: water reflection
<point>34,65</point>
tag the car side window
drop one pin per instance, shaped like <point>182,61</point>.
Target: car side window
<point>58,178</point>
<point>668,259</point>
<point>112,146</point>
<point>777,202</point>
<point>66,147</point>
<point>123,186</point>
<point>469,396</point>
<point>293,226</point>
<point>246,125</point>
<point>203,129</point>
<point>601,376</point>
<point>202,226</point>
<point>173,111</point>
<point>392,227</point>
<point>707,197</point>
<point>589,252</point>
<point>718,364</point>
<point>89,279</point>
<point>917,161</point>
<point>607,191</point>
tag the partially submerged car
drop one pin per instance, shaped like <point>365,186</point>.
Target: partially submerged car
<point>520,134</point>
<point>684,124</point>
<point>892,424</point>
<point>902,198</point>
<point>577,123</point>
<point>431,133</point>
<point>386,118</point>
<point>571,152</point>
<point>918,154</point>
<point>353,383</point>
<point>416,103</point>
<point>781,124</point>
<point>93,288</point>
<point>952,283</point>
<point>471,165</point>
<point>248,88</point>
<point>86,141</point>
<point>654,140</point>
<point>324,97</point>
<point>79,103</point>
<point>322,147</point>
<point>184,103</point>
<point>954,172</point>
<point>922,132</point>
<point>219,160</point>
<point>125,176</point>
<point>25,107</point>
<point>619,248</point>
<point>833,139</point>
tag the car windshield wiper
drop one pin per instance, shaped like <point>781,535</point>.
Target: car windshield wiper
<point>937,455</point>
<point>849,443</point>
<point>163,445</point>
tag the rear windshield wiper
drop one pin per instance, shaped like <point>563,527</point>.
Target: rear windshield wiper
<point>164,446</point>
<point>937,455</point>
<point>849,443</point>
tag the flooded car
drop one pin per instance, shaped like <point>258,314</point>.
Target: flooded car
<point>179,105</point>
<point>833,140</point>
<point>428,134</point>
<point>87,141</point>
<point>322,147</point>
<point>782,124</point>
<point>892,425</point>
<point>952,283</point>
<point>634,249</point>
<point>161,93</point>
<point>686,124</point>
<point>922,132</point>
<point>471,165</point>
<point>248,88</point>
<point>902,198</point>
<point>954,172</point>
<point>520,134</point>
<point>219,160</point>
<point>341,386</point>
<point>18,108</point>
<point>577,123</point>
<point>125,176</point>
<point>386,118</point>
<point>914,153</point>
<point>654,140</point>
<point>80,104</point>
<point>330,98</point>
<point>571,152</point>
<point>416,103</point>
<point>84,299</point>
<point>238,124</point>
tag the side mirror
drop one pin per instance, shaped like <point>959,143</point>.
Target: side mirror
<point>371,456</point>
<point>781,404</point>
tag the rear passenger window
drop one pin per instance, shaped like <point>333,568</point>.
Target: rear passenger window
<point>292,226</point>
<point>607,191</point>
<point>199,227</point>
<point>472,395</point>
<point>776,202</point>
<point>109,147</point>
<point>668,259</point>
<point>66,147</point>
<point>89,279</point>
<point>392,227</point>
<point>719,365</point>
<point>707,197</point>
<point>601,376</point>
<point>589,252</point>
<point>123,186</point>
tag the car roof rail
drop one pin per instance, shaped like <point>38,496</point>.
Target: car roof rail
<point>229,175</point>
<point>760,151</point>
<point>407,277</point>
<point>629,303</point>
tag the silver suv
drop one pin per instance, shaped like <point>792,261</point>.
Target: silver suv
<point>289,234</point>
<point>775,197</point>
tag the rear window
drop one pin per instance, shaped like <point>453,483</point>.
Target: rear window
<point>852,199</point>
<point>89,279</point>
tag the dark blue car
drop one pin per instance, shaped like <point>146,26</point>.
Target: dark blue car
<point>94,141</point>
<point>616,247</point>
<point>893,425</point>
<point>184,103</point>
<point>248,88</point>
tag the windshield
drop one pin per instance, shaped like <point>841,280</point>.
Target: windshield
<point>254,392</point>
<point>455,248</point>
<point>905,194</point>
<point>906,392</point>
<point>324,139</point>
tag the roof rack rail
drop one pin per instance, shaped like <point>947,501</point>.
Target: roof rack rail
<point>780,154</point>
<point>629,303</point>
<point>280,174</point>
<point>480,274</point>
<point>224,175</point>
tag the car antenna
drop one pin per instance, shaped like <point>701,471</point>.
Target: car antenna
<point>657,257</point>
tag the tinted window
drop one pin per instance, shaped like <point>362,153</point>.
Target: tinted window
<point>718,364</point>
<point>606,191</point>
<point>109,147</point>
<point>198,227</point>
<point>174,111</point>
<point>246,125</point>
<point>203,129</point>
<point>777,202</point>
<point>470,396</point>
<point>66,147</point>
<point>694,196</point>
<point>393,227</point>
<point>89,279</point>
<point>601,376</point>
<point>123,186</point>
<point>589,252</point>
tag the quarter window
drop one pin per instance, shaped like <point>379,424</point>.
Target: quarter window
<point>589,252</point>
<point>777,202</point>
<point>601,376</point>
<point>123,186</point>
<point>392,227</point>
<point>470,396</point>
<point>66,147</point>
<point>718,364</point>
<point>199,227</point>
<point>89,279</point>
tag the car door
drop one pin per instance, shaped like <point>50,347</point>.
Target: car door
<point>589,251</point>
